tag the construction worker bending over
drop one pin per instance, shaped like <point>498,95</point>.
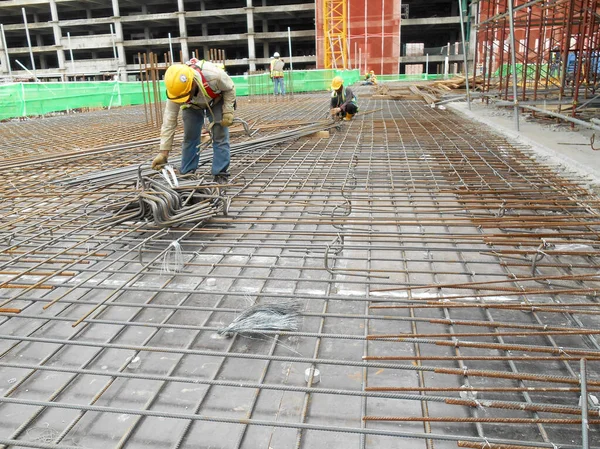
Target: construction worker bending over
<point>343,100</point>
<point>198,89</point>
<point>277,74</point>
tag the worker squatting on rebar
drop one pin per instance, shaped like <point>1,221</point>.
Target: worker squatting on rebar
<point>370,79</point>
<point>343,101</point>
<point>199,89</point>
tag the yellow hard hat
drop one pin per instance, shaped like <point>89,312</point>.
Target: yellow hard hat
<point>371,71</point>
<point>179,80</point>
<point>337,82</point>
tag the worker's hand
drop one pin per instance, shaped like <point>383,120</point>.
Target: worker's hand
<point>227,119</point>
<point>159,161</point>
<point>335,111</point>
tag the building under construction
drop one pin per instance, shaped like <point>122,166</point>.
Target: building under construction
<point>76,39</point>
<point>408,278</point>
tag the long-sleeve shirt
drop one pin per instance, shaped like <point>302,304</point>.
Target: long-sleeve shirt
<point>217,80</point>
<point>342,98</point>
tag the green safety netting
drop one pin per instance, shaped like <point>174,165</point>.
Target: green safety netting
<point>300,81</point>
<point>505,70</point>
<point>30,99</point>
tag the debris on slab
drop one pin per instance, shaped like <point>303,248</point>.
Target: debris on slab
<point>265,317</point>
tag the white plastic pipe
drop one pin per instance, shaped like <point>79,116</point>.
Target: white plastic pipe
<point>29,43</point>
<point>71,53</point>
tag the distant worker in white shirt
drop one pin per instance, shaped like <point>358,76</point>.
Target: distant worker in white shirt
<point>277,65</point>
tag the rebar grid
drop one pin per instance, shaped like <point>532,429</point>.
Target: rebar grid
<point>447,280</point>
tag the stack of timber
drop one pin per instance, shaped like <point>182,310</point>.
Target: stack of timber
<point>429,91</point>
<point>460,82</point>
<point>421,90</point>
<point>394,91</point>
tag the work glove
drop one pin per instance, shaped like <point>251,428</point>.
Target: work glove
<point>227,119</point>
<point>335,111</point>
<point>159,161</point>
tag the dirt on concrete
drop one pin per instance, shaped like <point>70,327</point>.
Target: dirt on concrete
<point>555,143</point>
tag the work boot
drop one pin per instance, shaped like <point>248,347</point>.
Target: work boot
<point>348,117</point>
<point>221,178</point>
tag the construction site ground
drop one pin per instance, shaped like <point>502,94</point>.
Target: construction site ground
<point>445,268</point>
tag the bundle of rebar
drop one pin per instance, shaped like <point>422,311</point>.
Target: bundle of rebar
<point>192,201</point>
<point>447,276</point>
<point>130,172</point>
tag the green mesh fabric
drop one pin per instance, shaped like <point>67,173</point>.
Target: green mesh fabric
<point>30,99</point>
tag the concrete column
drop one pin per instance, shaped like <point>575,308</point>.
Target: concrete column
<point>3,59</point>
<point>265,29</point>
<point>39,42</point>
<point>88,15</point>
<point>470,25</point>
<point>251,48</point>
<point>183,37</point>
<point>205,48</point>
<point>119,40</point>
<point>60,54</point>
<point>146,29</point>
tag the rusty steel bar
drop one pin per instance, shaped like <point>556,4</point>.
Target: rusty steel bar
<point>413,191</point>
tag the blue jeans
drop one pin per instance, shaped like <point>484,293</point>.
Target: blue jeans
<point>193,119</point>
<point>278,86</point>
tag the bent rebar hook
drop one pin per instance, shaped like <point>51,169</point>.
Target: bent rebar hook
<point>246,126</point>
<point>340,238</point>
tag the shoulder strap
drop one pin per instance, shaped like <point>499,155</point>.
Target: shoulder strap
<point>208,92</point>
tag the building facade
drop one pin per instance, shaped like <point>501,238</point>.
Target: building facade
<point>101,39</point>
<point>71,38</point>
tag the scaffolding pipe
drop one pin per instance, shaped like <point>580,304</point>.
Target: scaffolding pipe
<point>114,46</point>
<point>71,53</point>
<point>555,114</point>
<point>29,43</point>
<point>464,48</point>
<point>513,62</point>
<point>359,60</point>
<point>290,46</point>
<point>585,443</point>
